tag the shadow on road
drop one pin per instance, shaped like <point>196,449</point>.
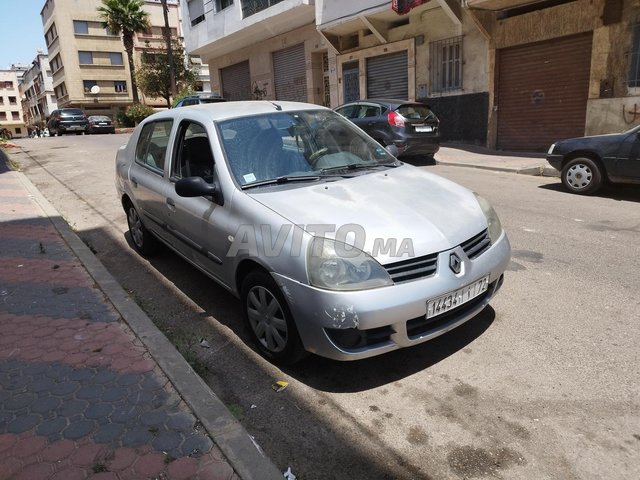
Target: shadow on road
<point>618,191</point>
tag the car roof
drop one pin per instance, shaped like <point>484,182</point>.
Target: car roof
<point>227,110</point>
<point>385,101</point>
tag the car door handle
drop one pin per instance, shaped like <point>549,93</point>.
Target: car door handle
<point>171,204</point>
<point>134,180</point>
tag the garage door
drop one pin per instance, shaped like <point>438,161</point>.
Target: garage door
<point>542,92</point>
<point>388,76</point>
<point>236,82</point>
<point>289,74</point>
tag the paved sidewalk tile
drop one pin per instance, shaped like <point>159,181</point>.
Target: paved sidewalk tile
<point>80,396</point>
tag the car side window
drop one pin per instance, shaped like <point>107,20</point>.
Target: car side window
<point>194,157</point>
<point>152,144</point>
<point>349,111</point>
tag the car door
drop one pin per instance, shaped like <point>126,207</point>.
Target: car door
<point>628,158</point>
<point>197,223</point>
<point>149,181</point>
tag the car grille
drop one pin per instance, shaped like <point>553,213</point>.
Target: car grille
<point>413,268</point>
<point>426,266</point>
<point>475,246</point>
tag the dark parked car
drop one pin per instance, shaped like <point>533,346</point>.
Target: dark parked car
<point>67,120</point>
<point>411,126</point>
<point>199,99</point>
<point>586,163</point>
<point>100,124</point>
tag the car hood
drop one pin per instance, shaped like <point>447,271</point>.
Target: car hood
<point>397,203</point>
<point>592,142</point>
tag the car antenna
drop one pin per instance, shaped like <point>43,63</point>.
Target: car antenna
<point>278,107</point>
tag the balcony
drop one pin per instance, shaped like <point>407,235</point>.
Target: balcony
<point>244,23</point>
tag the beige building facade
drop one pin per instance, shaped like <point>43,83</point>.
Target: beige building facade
<point>11,117</point>
<point>84,55</point>
<point>510,74</point>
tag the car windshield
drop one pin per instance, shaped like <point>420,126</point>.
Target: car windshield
<point>297,144</point>
<point>71,111</point>
<point>415,111</point>
<point>99,118</point>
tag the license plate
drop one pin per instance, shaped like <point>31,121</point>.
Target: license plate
<point>424,128</point>
<point>451,300</point>
<point>102,123</point>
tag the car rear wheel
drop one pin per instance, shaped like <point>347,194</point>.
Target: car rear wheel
<point>582,175</point>
<point>269,319</point>
<point>143,240</point>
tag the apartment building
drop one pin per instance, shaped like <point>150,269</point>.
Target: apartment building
<point>89,64</point>
<point>259,49</point>
<point>10,106</point>
<point>36,92</point>
<point>511,74</point>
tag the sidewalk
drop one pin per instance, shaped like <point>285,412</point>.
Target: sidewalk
<point>89,388</point>
<point>486,159</point>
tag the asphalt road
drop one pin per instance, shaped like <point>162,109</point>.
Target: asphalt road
<point>543,384</point>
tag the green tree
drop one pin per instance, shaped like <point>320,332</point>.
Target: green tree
<point>154,74</point>
<point>126,18</point>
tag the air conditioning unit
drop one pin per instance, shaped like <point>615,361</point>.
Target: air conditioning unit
<point>196,60</point>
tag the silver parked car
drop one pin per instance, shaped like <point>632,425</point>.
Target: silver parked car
<point>333,246</point>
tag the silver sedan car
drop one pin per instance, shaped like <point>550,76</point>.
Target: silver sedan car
<point>333,245</point>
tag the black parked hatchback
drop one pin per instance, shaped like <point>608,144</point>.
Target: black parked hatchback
<point>67,120</point>
<point>411,126</point>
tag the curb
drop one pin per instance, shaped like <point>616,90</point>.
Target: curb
<point>538,171</point>
<point>243,454</point>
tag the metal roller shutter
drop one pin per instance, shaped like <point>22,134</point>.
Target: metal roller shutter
<point>236,82</point>
<point>542,92</point>
<point>388,76</point>
<point>290,74</point>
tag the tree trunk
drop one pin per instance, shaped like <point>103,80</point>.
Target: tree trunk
<point>127,39</point>
<point>167,38</point>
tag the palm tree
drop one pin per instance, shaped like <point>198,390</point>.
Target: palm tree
<point>126,17</point>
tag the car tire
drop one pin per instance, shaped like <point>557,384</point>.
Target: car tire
<point>145,243</point>
<point>269,319</point>
<point>582,175</point>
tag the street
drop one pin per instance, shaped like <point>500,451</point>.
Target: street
<point>543,384</point>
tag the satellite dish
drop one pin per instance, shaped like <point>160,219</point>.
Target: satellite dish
<point>95,89</point>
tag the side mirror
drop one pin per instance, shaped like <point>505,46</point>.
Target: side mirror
<point>197,187</point>
<point>392,149</point>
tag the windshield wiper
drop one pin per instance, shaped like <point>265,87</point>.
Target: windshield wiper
<point>358,166</point>
<point>283,179</point>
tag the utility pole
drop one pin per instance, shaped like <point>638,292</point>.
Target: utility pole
<point>166,32</point>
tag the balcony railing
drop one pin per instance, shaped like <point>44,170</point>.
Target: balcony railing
<point>250,7</point>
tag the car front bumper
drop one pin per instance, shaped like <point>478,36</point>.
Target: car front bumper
<point>391,317</point>
<point>555,161</point>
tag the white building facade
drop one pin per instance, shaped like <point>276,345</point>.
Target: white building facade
<point>38,97</point>
<point>11,117</point>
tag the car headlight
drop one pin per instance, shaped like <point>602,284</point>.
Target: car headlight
<point>495,227</point>
<point>335,266</point>
<point>553,145</point>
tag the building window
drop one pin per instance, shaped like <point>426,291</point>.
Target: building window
<point>18,131</point>
<point>634,58</point>
<point>51,35</point>
<point>1,100</point>
<point>61,90</point>
<point>250,7</point>
<point>56,63</point>
<point>80,27</point>
<point>222,4</point>
<point>12,100</point>
<point>446,65</point>
<point>15,115</point>
<point>86,58</point>
<point>3,115</point>
<point>88,84</point>
<point>116,58</point>
<point>120,86</point>
<point>196,11</point>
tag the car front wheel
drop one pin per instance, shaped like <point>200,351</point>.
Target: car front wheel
<point>269,319</point>
<point>582,175</point>
<point>143,240</point>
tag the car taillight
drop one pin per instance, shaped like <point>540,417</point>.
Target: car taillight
<point>395,119</point>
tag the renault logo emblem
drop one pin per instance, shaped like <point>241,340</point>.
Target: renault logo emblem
<point>455,264</point>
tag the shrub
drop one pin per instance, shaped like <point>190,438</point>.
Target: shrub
<point>138,112</point>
